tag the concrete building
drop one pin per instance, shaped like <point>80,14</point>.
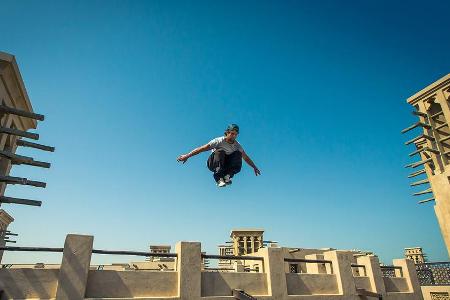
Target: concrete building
<point>246,241</point>
<point>432,146</point>
<point>13,95</point>
<point>319,274</point>
<point>416,254</point>
<point>242,241</point>
<point>16,118</point>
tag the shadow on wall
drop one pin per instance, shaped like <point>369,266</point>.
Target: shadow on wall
<point>72,273</point>
<point>129,284</point>
<point>28,283</point>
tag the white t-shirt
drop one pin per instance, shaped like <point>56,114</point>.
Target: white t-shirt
<point>220,143</point>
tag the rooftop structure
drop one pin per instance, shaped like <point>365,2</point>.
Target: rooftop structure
<point>276,274</point>
<point>416,254</point>
<point>432,147</point>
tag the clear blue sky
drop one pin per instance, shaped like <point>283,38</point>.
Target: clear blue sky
<point>318,89</point>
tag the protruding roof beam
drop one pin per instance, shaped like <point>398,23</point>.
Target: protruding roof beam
<point>445,139</point>
<point>418,124</point>
<point>420,137</point>
<point>424,181</point>
<point>416,164</point>
<point>34,145</point>
<point>4,199</point>
<point>420,172</point>
<point>424,149</point>
<point>441,126</point>
<point>22,113</point>
<point>17,132</point>
<point>419,113</point>
<point>437,114</point>
<point>11,234</point>
<point>426,200</point>
<point>23,160</point>
<point>23,181</point>
<point>427,191</point>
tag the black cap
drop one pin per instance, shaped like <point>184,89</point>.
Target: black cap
<point>234,127</point>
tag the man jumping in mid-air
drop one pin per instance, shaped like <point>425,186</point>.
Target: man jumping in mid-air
<point>226,159</point>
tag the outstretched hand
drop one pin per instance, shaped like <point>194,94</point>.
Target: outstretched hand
<point>257,171</point>
<point>183,158</point>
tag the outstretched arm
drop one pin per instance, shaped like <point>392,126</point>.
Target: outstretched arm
<point>249,161</point>
<point>183,158</point>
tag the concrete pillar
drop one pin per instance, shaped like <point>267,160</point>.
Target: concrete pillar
<point>373,271</point>
<point>410,274</point>
<point>276,275</point>
<point>238,266</point>
<point>236,245</point>
<point>5,220</point>
<point>341,261</point>
<point>245,245</point>
<point>74,268</point>
<point>315,268</point>
<point>189,263</point>
<point>252,239</point>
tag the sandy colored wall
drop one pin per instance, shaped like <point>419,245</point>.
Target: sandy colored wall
<point>362,282</point>
<point>76,280</point>
<point>311,284</point>
<point>222,283</point>
<point>395,284</point>
<point>28,283</point>
<point>128,284</point>
<point>439,290</point>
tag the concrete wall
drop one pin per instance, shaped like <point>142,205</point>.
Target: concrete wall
<point>28,283</point>
<point>362,282</point>
<point>222,283</point>
<point>395,285</point>
<point>442,291</point>
<point>311,284</point>
<point>129,284</point>
<point>75,280</point>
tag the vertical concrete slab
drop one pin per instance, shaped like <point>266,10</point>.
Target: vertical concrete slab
<point>189,264</point>
<point>342,261</point>
<point>315,268</point>
<point>74,269</point>
<point>276,275</point>
<point>5,220</point>
<point>410,274</point>
<point>373,271</point>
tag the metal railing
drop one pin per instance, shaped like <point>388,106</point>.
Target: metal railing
<point>309,261</point>
<point>94,251</point>
<point>433,273</point>
<point>356,268</point>
<point>233,258</point>
<point>389,271</point>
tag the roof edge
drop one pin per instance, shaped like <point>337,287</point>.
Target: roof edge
<point>430,89</point>
<point>11,59</point>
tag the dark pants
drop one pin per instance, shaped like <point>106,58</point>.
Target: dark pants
<point>222,164</point>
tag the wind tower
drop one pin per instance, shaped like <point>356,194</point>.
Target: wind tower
<point>432,147</point>
<point>246,241</point>
<point>16,118</point>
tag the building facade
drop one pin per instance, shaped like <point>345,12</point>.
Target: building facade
<point>432,147</point>
<point>320,275</point>
<point>416,254</point>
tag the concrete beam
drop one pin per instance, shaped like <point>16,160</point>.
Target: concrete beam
<point>74,269</point>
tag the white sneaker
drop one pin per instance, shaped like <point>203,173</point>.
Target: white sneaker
<point>227,179</point>
<point>221,183</point>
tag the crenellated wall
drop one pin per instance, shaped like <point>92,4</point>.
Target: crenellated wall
<point>75,280</point>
